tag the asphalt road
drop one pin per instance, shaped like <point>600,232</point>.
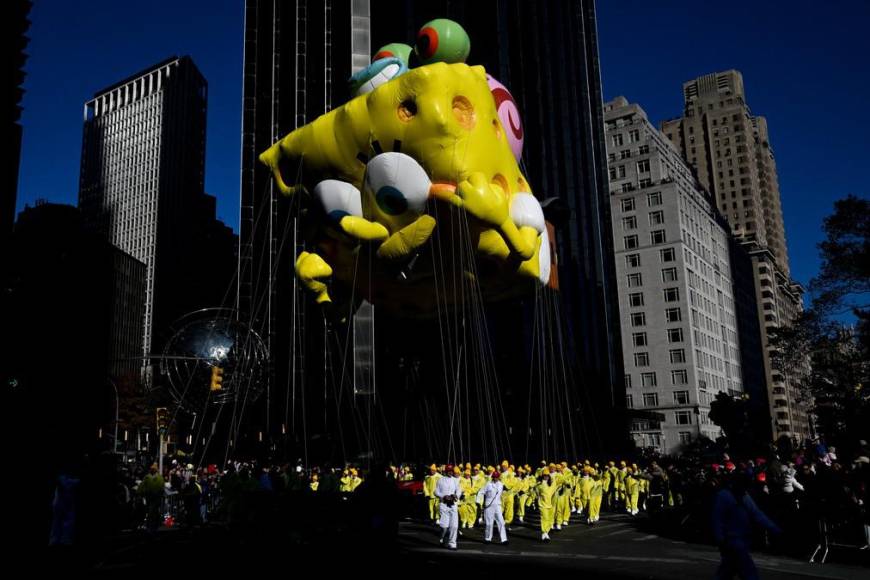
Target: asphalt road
<point>617,547</point>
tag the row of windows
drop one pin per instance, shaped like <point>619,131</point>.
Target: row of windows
<point>634,280</point>
<point>676,356</point>
<point>639,339</point>
<point>655,237</point>
<point>652,399</point>
<point>655,218</point>
<point>652,199</point>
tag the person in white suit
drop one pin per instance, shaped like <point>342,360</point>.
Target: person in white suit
<point>492,514</point>
<point>449,492</point>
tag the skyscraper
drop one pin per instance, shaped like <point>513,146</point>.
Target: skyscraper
<point>141,186</point>
<point>679,325</point>
<point>546,53</point>
<point>15,25</point>
<point>297,59</point>
<point>729,149</point>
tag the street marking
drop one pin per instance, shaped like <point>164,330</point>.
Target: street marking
<point>645,538</point>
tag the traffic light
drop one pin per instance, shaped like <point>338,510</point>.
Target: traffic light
<point>217,379</point>
<point>162,420</point>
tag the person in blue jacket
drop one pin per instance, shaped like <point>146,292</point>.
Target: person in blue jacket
<point>734,513</point>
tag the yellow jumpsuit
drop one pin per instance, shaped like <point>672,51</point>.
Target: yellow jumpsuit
<point>595,495</point>
<point>547,503</point>
<point>345,484</point>
<point>467,505</point>
<point>509,480</point>
<point>620,485</point>
<point>563,498</point>
<point>522,493</point>
<point>429,492</point>
<point>584,494</point>
<point>632,493</point>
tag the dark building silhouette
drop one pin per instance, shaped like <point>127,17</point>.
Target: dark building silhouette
<point>297,60</point>
<point>72,308</point>
<point>141,186</point>
<point>15,26</point>
<point>298,56</point>
<point>546,53</point>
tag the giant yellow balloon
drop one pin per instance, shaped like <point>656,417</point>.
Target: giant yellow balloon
<point>421,156</point>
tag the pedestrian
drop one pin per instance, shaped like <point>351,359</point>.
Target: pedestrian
<point>491,495</point>
<point>449,492</point>
<point>734,512</point>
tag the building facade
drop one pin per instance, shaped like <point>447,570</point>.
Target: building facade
<point>546,54</point>
<point>679,326</point>
<point>141,187</point>
<point>15,26</point>
<point>729,149</point>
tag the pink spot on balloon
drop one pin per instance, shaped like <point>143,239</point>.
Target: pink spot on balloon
<point>508,114</point>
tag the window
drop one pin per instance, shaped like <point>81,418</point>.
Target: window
<point>616,140</point>
<point>629,223</point>
<point>627,381</point>
<point>656,218</point>
<point>643,166</point>
<point>643,150</point>
<point>673,315</point>
<point>683,417</point>
<point>628,204</point>
<point>638,339</point>
<point>650,399</point>
<point>672,294</point>
<point>625,154</point>
<point>629,403</point>
<point>653,199</point>
<point>657,237</point>
<point>634,280</point>
<point>635,299</point>
<point>680,377</point>
<point>632,261</point>
<point>669,275</point>
<point>645,182</point>
<point>668,255</point>
<point>681,397</point>
<point>641,359</point>
<point>678,356</point>
<point>630,242</point>
<point>633,136</point>
<point>675,335</point>
<point>638,319</point>
<point>648,379</point>
<point>620,171</point>
<point>685,437</point>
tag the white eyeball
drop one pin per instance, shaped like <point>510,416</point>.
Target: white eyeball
<point>526,211</point>
<point>338,199</point>
<point>399,185</point>
<point>544,258</point>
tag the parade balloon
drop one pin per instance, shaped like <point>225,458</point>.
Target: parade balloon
<point>413,181</point>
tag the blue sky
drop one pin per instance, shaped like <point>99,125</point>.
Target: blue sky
<point>804,63</point>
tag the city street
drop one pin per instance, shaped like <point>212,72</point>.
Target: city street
<point>615,548</point>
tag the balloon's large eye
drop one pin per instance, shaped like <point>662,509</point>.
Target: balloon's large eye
<point>338,199</point>
<point>395,49</point>
<point>442,40</point>
<point>398,183</point>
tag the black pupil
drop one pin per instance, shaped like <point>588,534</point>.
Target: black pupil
<point>423,43</point>
<point>410,106</point>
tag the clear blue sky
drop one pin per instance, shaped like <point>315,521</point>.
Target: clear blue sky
<point>804,63</point>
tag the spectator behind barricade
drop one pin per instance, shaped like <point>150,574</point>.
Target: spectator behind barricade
<point>375,505</point>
